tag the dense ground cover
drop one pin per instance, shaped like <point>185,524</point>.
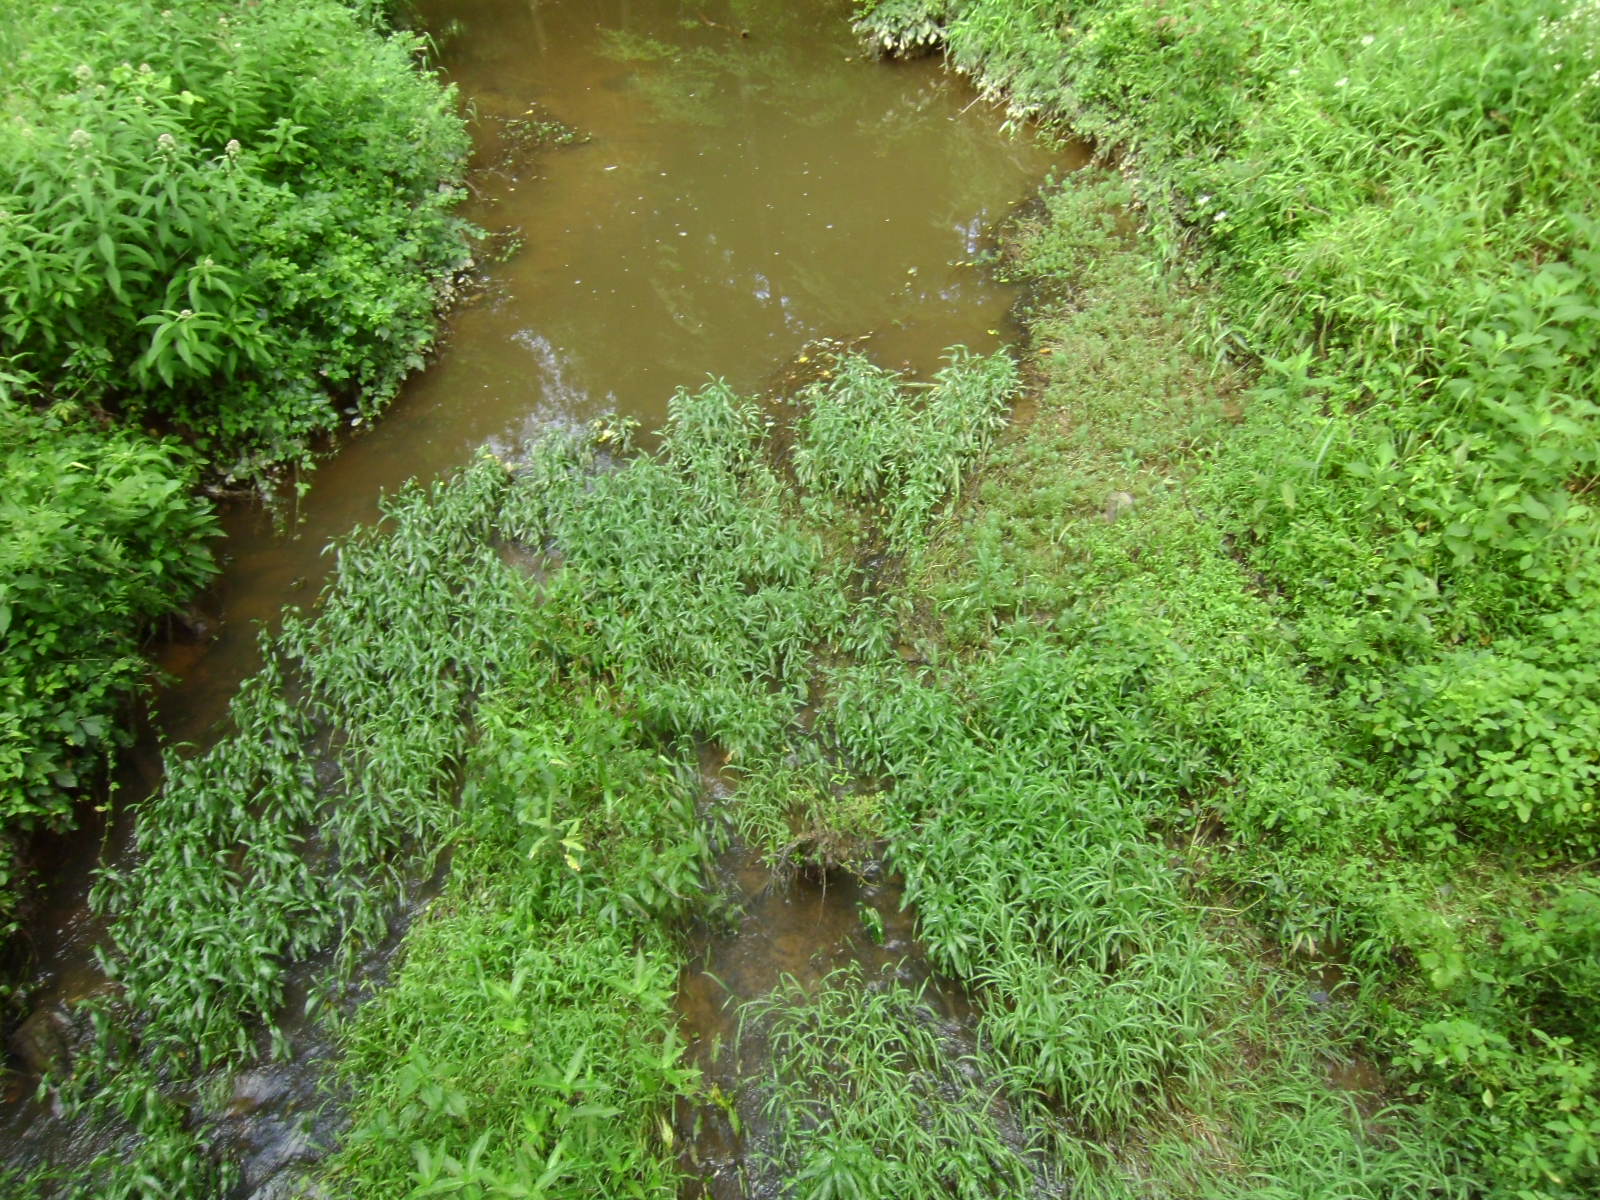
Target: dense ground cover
<point>230,222</point>
<point>1228,716</point>
<point>537,699</point>
<point>1393,681</point>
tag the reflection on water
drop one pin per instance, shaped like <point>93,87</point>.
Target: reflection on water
<point>737,197</point>
<point>749,184</point>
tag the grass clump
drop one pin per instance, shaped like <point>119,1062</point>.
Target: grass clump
<point>290,839</point>
<point>1368,603</point>
<point>527,1042</point>
<point>868,1097</point>
<point>248,862</point>
<point>864,440</point>
<point>682,600</point>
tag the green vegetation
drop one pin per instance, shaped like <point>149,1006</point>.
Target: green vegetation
<point>1230,717</point>
<point>869,1100</point>
<point>98,534</point>
<point>246,860</point>
<point>665,622</point>
<point>528,1042</point>
<point>1367,611</point>
<point>229,221</point>
<point>528,1039</point>
<point>224,216</point>
<point>249,862</point>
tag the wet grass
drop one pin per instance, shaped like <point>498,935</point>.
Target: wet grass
<point>527,1046</point>
<point>869,1095</point>
<point>683,601</point>
<point>246,860</point>
<point>291,838</point>
<point>1000,683</point>
<point>1060,671</point>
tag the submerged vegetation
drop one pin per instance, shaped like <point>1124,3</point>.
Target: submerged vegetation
<point>1229,715</point>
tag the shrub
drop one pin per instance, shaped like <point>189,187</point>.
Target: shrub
<point>98,534</point>
<point>233,217</point>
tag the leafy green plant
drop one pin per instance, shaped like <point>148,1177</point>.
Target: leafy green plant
<point>864,439</point>
<point>194,229</point>
<point>98,536</point>
<point>902,27</point>
<point>528,1042</point>
<point>868,1098</point>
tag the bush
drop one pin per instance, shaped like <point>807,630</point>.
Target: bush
<point>231,217</point>
<point>98,534</point>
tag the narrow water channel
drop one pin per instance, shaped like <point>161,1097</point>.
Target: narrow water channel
<point>791,925</point>
<point>747,182</point>
<point>750,181</point>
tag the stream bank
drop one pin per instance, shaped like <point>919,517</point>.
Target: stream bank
<point>1021,658</point>
<point>732,200</point>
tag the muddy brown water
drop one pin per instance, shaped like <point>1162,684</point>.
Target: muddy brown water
<point>789,922</point>
<point>737,197</point>
<point>750,183</point>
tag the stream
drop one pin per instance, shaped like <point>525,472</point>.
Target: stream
<point>746,183</point>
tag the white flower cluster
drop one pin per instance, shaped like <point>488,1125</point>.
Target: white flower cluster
<point>1580,22</point>
<point>1575,38</point>
<point>1204,199</point>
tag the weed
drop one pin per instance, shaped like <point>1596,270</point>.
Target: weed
<point>868,1098</point>
<point>197,232</point>
<point>1363,617</point>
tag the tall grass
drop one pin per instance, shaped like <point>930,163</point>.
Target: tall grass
<point>527,1044</point>
<point>1378,591</point>
<point>867,1096</point>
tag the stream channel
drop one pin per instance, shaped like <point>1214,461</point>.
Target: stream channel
<point>747,182</point>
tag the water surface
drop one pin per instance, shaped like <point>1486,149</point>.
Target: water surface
<point>737,197</point>
<point>748,184</point>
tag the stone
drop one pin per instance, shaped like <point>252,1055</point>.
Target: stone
<point>43,1043</point>
<point>253,1089</point>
